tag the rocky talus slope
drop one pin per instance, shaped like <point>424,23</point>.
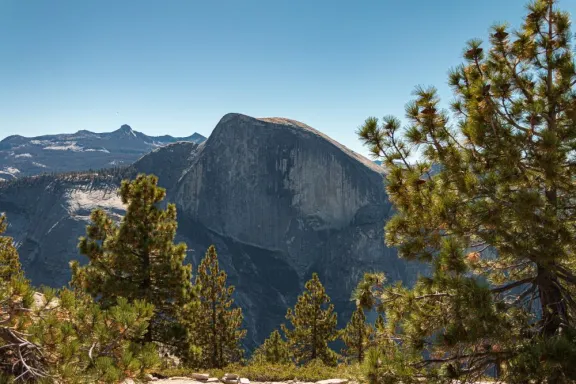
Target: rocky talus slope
<point>279,200</point>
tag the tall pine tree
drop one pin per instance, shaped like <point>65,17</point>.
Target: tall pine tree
<point>485,196</point>
<point>137,258</point>
<point>274,350</point>
<point>313,323</point>
<point>214,326</point>
<point>356,335</point>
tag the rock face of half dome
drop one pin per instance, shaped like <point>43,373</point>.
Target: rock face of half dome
<point>284,200</point>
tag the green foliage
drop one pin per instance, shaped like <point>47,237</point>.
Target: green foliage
<point>390,365</point>
<point>356,335</point>
<point>83,343</point>
<point>542,359</point>
<point>485,197</point>
<point>368,288</point>
<point>16,299</point>
<point>137,258</point>
<point>214,325</point>
<point>313,323</point>
<point>380,333</point>
<point>274,350</point>
<point>64,336</point>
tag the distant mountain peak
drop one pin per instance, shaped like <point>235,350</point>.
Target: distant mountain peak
<point>126,130</point>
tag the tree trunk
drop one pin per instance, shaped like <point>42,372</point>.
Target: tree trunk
<point>552,305</point>
<point>214,336</point>
<point>146,288</point>
<point>314,336</point>
<point>148,334</point>
<point>360,345</point>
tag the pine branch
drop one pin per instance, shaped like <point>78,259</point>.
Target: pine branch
<point>458,357</point>
<point>509,120</point>
<point>565,274</point>
<point>513,285</point>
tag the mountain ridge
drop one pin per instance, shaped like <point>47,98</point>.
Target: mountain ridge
<point>123,128</point>
<point>82,150</point>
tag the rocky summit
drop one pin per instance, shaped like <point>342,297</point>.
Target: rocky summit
<point>83,150</point>
<point>279,199</point>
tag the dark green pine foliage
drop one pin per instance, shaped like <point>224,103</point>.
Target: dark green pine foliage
<point>82,343</point>
<point>313,323</point>
<point>213,326</point>
<point>484,195</point>
<point>356,336</point>
<point>137,258</point>
<point>274,350</point>
<point>16,300</point>
<point>380,334</point>
<point>63,336</point>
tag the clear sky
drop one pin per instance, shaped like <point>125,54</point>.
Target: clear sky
<point>176,67</point>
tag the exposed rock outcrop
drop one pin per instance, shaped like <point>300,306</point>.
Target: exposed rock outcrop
<point>279,200</point>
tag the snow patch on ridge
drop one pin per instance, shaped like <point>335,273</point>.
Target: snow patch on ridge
<point>40,142</point>
<point>67,146</point>
<point>10,171</point>
<point>82,202</point>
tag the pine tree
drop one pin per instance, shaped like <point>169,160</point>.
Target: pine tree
<point>83,343</point>
<point>64,336</point>
<point>487,201</point>
<point>274,350</point>
<point>137,258</point>
<point>214,326</point>
<point>356,336</point>
<point>379,335</point>
<point>16,299</point>
<point>313,323</point>
<point>10,267</point>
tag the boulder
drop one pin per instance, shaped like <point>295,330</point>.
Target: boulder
<point>200,376</point>
<point>333,381</point>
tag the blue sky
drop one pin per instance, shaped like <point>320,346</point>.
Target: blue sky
<point>176,67</point>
